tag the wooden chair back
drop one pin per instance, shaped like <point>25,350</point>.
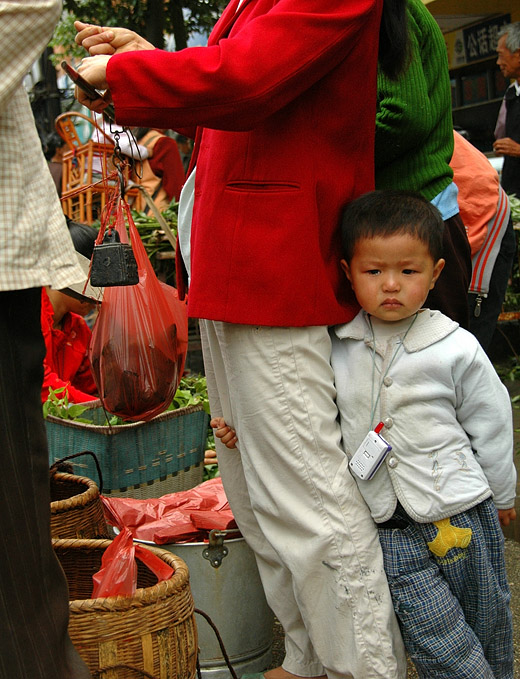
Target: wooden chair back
<point>85,168</point>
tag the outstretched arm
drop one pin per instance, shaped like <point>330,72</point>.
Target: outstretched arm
<point>102,42</point>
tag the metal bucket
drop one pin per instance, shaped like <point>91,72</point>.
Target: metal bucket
<point>226,586</point>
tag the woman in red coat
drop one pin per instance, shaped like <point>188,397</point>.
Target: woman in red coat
<point>281,104</point>
<point>66,334</point>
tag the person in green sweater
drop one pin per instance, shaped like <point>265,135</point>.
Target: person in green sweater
<point>414,145</point>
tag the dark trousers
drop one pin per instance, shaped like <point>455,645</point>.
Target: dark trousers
<point>34,643</point>
<point>483,326</point>
<point>450,294</point>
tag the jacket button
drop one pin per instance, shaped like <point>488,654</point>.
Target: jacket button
<point>392,462</point>
<point>388,422</point>
<point>388,381</point>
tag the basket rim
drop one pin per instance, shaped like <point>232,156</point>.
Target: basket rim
<point>143,596</point>
<point>112,429</point>
<point>82,499</point>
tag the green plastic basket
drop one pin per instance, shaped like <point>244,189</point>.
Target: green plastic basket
<point>139,459</point>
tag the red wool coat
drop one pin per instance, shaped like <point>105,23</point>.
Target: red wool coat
<point>284,101</point>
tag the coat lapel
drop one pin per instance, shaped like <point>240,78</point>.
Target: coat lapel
<point>226,21</point>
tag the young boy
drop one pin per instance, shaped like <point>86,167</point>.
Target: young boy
<point>447,417</point>
<point>429,386</point>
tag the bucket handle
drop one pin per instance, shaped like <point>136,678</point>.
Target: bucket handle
<point>85,452</point>
<point>216,549</point>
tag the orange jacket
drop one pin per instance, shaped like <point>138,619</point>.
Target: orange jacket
<point>477,182</point>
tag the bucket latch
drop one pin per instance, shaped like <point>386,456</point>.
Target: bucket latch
<point>216,550</point>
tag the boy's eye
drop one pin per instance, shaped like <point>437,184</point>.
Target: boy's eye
<point>373,272</point>
<point>407,272</point>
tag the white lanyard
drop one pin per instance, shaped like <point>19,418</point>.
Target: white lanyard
<point>400,344</point>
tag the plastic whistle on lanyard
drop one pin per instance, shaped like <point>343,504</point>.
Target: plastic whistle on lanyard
<point>368,457</point>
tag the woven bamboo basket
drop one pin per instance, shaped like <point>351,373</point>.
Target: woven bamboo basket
<point>152,633</point>
<point>76,508</point>
<point>137,459</point>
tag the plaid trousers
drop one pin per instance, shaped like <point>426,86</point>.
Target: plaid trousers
<point>453,609</point>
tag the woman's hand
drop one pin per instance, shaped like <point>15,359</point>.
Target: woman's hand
<point>94,70</point>
<point>107,40</point>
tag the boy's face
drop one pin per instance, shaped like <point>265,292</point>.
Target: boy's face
<point>392,275</point>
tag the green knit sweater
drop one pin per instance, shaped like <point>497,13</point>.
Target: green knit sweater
<point>414,127</point>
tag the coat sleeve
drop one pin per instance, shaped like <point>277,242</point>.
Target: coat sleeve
<point>484,411</point>
<point>52,380</point>
<point>25,29</point>
<point>406,115</point>
<point>266,61</point>
<point>166,163</point>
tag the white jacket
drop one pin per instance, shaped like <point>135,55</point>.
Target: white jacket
<point>447,417</point>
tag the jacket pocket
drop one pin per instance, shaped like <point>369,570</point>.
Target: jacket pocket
<point>262,186</point>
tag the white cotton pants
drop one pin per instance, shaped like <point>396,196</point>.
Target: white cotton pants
<point>294,500</point>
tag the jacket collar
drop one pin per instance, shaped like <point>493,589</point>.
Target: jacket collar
<point>430,327</point>
<point>226,21</point>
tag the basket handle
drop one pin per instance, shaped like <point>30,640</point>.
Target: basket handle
<point>85,452</point>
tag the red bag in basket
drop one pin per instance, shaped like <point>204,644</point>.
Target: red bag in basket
<point>118,573</point>
<point>140,338</point>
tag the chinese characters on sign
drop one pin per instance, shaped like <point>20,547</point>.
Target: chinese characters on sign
<point>475,43</point>
<point>481,40</point>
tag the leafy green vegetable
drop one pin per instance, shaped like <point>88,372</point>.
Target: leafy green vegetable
<point>192,391</point>
<point>57,404</point>
<point>515,207</point>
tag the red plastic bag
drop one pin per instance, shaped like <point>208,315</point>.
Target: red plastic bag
<point>185,516</point>
<point>140,338</point>
<point>118,573</point>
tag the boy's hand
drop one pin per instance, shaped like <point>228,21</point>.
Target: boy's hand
<point>505,516</point>
<point>226,434</point>
<point>210,457</point>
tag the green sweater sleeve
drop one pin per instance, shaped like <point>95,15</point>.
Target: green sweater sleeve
<point>414,129</point>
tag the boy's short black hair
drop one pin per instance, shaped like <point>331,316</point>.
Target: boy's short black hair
<point>386,213</point>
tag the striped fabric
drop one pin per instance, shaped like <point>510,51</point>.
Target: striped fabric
<point>453,609</point>
<point>35,246</point>
<point>484,260</point>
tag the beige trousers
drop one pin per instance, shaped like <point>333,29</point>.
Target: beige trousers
<point>292,495</point>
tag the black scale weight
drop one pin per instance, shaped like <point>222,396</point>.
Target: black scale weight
<point>113,262</point>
